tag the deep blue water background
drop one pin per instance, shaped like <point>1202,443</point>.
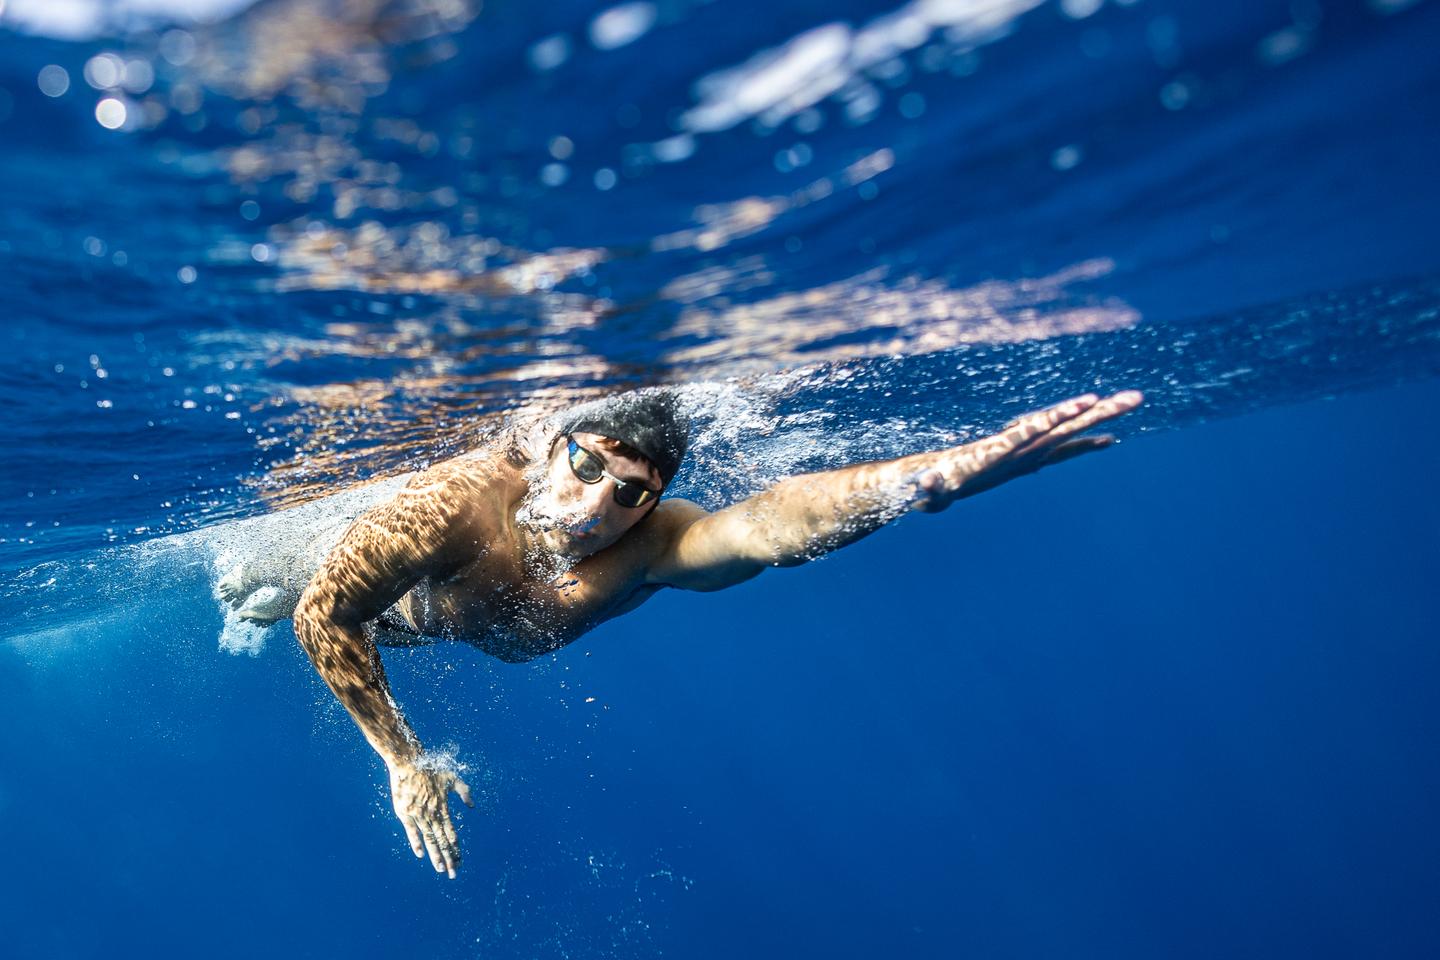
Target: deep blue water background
<point>1173,700</point>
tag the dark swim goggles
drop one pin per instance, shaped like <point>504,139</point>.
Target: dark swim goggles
<point>589,468</point>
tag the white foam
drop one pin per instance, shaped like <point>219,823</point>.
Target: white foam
<point>241,636</point>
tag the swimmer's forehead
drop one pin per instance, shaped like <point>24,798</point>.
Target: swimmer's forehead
<point>630,469</point>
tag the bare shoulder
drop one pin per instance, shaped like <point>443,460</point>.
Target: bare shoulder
<point>657,537</point>
<point>670,519</point>
<point>678,513</point>
<point>694,549</point>
<point>446,507</point>
<point>455,483</point>
<point>640,549</point>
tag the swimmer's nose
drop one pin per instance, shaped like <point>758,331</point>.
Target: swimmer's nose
<point>594,502</point>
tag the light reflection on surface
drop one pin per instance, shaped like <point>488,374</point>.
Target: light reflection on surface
<point>329,55</point>
<point>330,437</point>
<point>722,223</point>
<point>833,59</point>
<point>912,317</point>
<point>418,258</point>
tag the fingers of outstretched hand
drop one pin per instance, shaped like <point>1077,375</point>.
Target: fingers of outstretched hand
<point>452,852</point>
<point>1028,432</point>
<point>1095,413</point>
<point>447,843</point>
<point>1042,421</point>
<point>434,846</point>
<point>1107,409</point>
<point>412,833</point>
<point>441,842</point>
<point>452,841</point>
<point>462,790</point>
<point>1076,446</point>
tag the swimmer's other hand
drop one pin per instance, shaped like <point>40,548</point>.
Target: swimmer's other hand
<point>419,795</point>
<point>1025,445</point>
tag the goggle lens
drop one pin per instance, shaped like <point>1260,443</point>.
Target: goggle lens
<point>591,469</point>
<point>585,464</point>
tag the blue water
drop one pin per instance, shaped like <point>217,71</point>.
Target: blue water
<point>1172,700</point>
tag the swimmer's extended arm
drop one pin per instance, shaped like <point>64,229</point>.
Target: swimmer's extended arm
<point>381,556</point>
<point>806,516</point>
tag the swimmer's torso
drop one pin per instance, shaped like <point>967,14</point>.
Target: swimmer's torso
<point>485,592</point>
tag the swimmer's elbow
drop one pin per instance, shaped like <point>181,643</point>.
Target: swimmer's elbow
<point>309,621</point>
<point>319,607</point>
<point>314,604</point>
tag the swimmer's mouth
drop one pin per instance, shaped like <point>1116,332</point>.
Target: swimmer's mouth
<point>570,533</point>
<point>580,531</point>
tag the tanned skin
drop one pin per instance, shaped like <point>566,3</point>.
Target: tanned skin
<point>449,556</point>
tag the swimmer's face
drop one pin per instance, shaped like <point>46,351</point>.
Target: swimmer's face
<point>575,519</point>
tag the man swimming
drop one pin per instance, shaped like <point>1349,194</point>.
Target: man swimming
<point>523,549</point>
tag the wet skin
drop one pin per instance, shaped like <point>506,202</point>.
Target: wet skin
<point>520,562</point>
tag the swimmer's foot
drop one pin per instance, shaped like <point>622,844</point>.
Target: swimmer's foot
<point>232,587</point>
<point>265,606</point>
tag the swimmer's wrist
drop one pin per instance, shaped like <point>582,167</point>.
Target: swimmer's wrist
<point>400,761</point>
<point>400,748</point>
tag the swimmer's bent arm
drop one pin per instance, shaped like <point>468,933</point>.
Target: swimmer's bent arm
<point>381,556</point>
<point>806,516</point>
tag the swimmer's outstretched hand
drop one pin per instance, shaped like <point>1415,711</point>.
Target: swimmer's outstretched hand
<point>1025,445</point>
<point>418,793</point>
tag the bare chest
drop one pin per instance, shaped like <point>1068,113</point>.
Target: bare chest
<point>499,605</point>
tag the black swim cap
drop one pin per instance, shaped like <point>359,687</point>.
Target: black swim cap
<point>650,420</point>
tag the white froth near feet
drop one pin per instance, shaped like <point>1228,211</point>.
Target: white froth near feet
<point>242,636</point>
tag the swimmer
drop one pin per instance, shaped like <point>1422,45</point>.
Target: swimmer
<point>522,550</point>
